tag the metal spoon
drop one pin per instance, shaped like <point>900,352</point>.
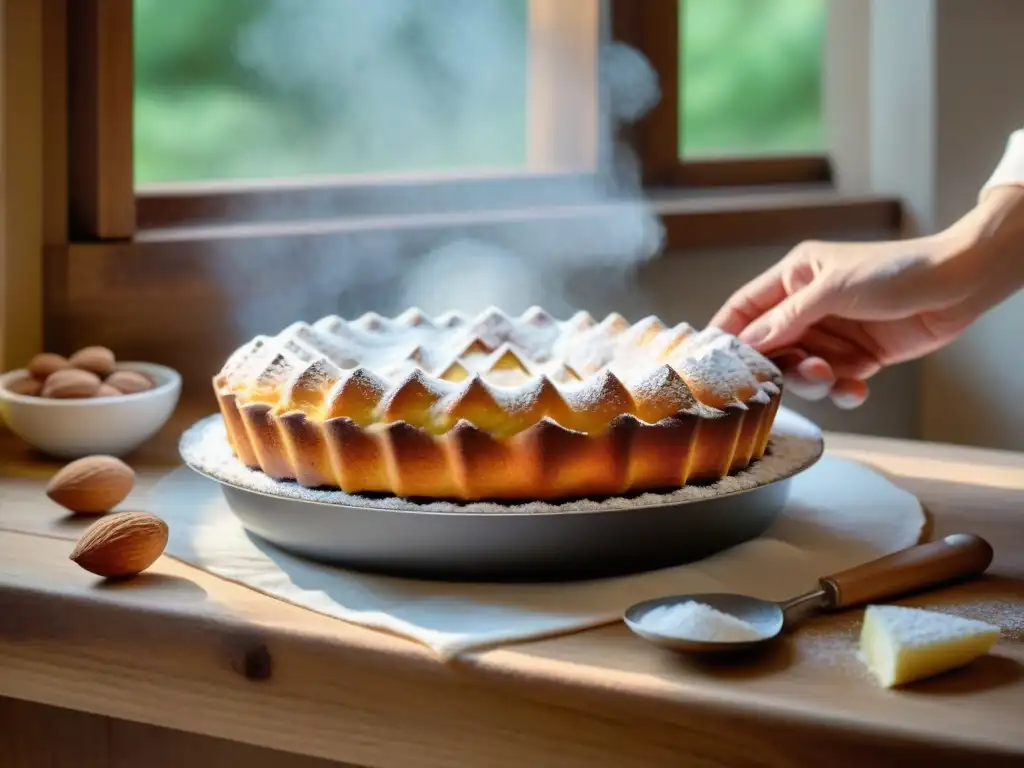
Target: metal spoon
<point>957,556</point>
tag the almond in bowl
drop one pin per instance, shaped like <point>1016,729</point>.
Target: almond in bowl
<point>88,403</point>
<point>128,382</point>
<point>90,372</point>
<point>70,383</point>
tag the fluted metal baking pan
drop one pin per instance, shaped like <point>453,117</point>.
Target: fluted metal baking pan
<point>616,539</point>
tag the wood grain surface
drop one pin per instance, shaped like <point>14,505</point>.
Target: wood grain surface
<point>179,648</point>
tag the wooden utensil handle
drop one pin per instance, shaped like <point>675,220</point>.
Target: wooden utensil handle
<point>926,565</point>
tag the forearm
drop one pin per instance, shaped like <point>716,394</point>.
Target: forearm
<point>986,247</point>
<point>991,235</point>
<point>994,230</point>
<point>1001,209</point>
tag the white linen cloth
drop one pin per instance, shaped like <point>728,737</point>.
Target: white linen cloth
<point>839,514</point>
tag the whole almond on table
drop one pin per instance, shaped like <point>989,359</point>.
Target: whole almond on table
<point>98,360</point>
<point>71,383</point>
<point>91,486</point>
<point>45,363</point>
<point>129,382</point>
<point>121,545</point>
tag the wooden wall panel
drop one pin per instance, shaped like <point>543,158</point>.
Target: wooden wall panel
<point>39,736</point>
<point>21,180</point>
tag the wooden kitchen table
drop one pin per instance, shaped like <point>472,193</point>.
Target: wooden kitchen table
<point>178,665</point>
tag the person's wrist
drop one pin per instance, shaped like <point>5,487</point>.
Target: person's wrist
<point>998,246</point>
<point>982,255</point>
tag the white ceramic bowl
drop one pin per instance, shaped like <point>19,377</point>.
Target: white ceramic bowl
<point>70,429</point>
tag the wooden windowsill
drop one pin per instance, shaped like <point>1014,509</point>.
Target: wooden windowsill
<point>692,219</point>
<point>307,198</point>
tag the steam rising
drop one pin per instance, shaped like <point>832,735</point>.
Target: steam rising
<point>464,49</point>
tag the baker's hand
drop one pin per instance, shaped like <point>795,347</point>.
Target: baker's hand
<point>833,314</point>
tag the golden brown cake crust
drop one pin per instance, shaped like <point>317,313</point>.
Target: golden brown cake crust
<point>494,407</point>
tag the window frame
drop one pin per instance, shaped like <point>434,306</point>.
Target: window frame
<point>100,78</point>
<point>654,28</point>
<point>78,268</point>
<point>566,140</point>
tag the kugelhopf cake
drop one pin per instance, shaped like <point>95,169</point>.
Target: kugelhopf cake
<point>496,407</point>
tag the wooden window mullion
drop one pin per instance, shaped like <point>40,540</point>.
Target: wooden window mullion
<point>55,126</point>
<point>652,27</point>
<point>101,190</point>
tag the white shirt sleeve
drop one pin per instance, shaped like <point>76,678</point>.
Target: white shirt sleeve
<point>1011,168</point>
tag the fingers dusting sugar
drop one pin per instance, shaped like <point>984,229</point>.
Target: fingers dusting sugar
<point>696,621</point>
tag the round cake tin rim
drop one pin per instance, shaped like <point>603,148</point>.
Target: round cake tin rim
<point>787,475</point>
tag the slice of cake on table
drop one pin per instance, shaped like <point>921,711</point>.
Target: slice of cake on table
<point>900,645</point>
<point>497,407</point>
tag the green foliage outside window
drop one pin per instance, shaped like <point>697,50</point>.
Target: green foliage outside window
<point>751,81</point>
<point>264,88</point>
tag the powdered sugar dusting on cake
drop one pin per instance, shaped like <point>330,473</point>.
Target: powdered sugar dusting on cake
<point>522,398</point>
<point>321,373</point>
<point>536,340</point>
<point>243,357</point>
<point>560,373</point>
<point>335,349</point>
<point>451,319</point>
<point>277,371</point>
<point>493,327</point>
<point>364,381</point>
<point>603,368</point>
<point>586,351</point>
<point>762,368</point>
<point>718,376</point>
<point>664,389</point>
<point>604,391</point>
<point>417,381</point>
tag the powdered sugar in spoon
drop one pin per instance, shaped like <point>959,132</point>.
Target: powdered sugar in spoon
<point>696,623</point>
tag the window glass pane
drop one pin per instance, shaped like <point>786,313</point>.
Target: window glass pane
<point>272,88</point>
<point>751,77</point>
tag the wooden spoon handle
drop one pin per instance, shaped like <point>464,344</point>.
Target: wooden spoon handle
<point>959,555</point>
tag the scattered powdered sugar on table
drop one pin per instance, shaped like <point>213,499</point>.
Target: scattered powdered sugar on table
<point>922,627</point>
<point>205,448</point>
<point>696,621</point>
<point>1005,614</point>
